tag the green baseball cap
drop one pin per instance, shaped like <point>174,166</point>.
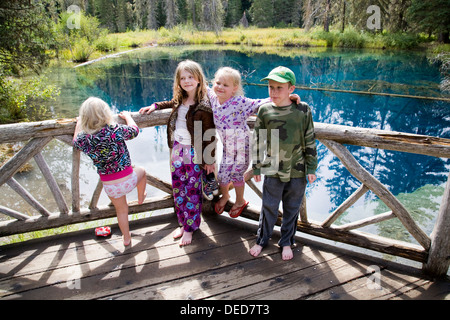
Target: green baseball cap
<point>282,75</point>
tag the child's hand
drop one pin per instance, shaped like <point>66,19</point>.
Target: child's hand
<point>210,168</point>
<point>125,114</point>
<point>148,110</point>
<point>311,178</point>
<point>295,98</point>
<point>257,178</point>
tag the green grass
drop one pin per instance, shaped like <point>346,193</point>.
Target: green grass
<point>289,37</point>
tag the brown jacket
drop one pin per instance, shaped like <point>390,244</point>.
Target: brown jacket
<point>197,112</point>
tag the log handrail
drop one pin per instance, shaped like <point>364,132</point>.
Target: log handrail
<point>38,134</point>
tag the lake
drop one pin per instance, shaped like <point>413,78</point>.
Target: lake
<point>133,80</point>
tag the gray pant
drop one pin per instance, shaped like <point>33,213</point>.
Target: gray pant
<point>291,194</point>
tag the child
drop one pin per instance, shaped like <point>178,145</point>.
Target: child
<point>290,158</point>
<point>104,142</point>
<point>190,107</point>
<point>231,111</point>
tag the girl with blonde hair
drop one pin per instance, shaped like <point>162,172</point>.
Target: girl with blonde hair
<point>103,140</point>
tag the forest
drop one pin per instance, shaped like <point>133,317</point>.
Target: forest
<point>431,17</point>
<point>34,33</point>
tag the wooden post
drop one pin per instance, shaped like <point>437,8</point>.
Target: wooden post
<point>439,254</point>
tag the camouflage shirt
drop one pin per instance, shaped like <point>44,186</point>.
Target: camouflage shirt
<point>284,144</point>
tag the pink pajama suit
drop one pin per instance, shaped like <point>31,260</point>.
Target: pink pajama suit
<point>230,120</point>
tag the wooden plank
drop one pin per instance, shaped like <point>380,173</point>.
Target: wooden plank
<point>227,279</point>
<point>14,214</point>
<point>96,195</point>
<point>159,183</point>
<point>380,190</point>
<point>28,197</point>
<point>75,180</point>
<point>57,220</point>
<point>144,266</point>
<point>367,221</point>
<point>295,283</point>
<point>439,261</point>
<point>52,184</point>
<point>357,238</point>
<point>388,284</point>
<point>59,127</point>
<point>382,139</point>
<point>33,147</point>
<point>345,205</point>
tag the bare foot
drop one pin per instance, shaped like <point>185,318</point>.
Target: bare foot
<point>223,200</point>
<point>178,233</point>
<point>186,238</point>
<point>126,240</point>
<point>255,250</point>
<point>287,253</point>
<point>141,197</point>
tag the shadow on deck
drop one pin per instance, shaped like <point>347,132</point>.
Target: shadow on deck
<point>216,266</point>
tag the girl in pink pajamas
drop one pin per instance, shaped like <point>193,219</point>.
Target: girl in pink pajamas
<point>231,110</point>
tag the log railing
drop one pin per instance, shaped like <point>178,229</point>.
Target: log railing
<point>433,251</point>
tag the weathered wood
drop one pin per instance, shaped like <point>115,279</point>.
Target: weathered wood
<point>51,182</point>
<point>96,194</point>
<point>60,127</point>
<point>36,223</point>
<point>439,255</point>
<point>382,139</point>
<point>14,214</point>
<point>75,180</point>
<point>367,221</point>
<point>356,238</point>
<point>28,197</point>
<point>33,147</point>
<point>345,205</point>
<point>159,184</point>
<point>216,266</point>
<point>380,190</point>
<point>41,133</point>
<point>303,215</point>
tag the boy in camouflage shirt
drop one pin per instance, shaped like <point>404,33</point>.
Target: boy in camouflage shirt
<point>284,150</point>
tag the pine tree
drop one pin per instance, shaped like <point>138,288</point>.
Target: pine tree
<point>212,15</point>
<point>233,13</point>
<point>171,10</point>
<point>262,13</point>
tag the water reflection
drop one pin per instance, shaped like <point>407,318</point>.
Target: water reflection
<point>145,76</point>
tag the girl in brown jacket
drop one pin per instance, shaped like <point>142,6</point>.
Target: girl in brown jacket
<point>191,136</point>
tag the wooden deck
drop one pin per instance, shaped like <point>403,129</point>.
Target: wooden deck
<point>216,266</point>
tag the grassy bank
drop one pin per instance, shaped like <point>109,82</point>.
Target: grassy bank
<point>350,38</point>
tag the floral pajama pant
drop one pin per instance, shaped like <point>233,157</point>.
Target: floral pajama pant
<point>187,186</point>
<point>235,157</point>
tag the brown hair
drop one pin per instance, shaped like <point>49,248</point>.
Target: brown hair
<point>196,70</point>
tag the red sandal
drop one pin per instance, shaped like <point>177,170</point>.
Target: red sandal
<point>234,213</point>
<point>219,209</point>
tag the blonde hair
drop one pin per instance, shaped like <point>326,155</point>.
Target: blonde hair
<point>196,70</point>
<point>94,115</point>
<point>235,77</point>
